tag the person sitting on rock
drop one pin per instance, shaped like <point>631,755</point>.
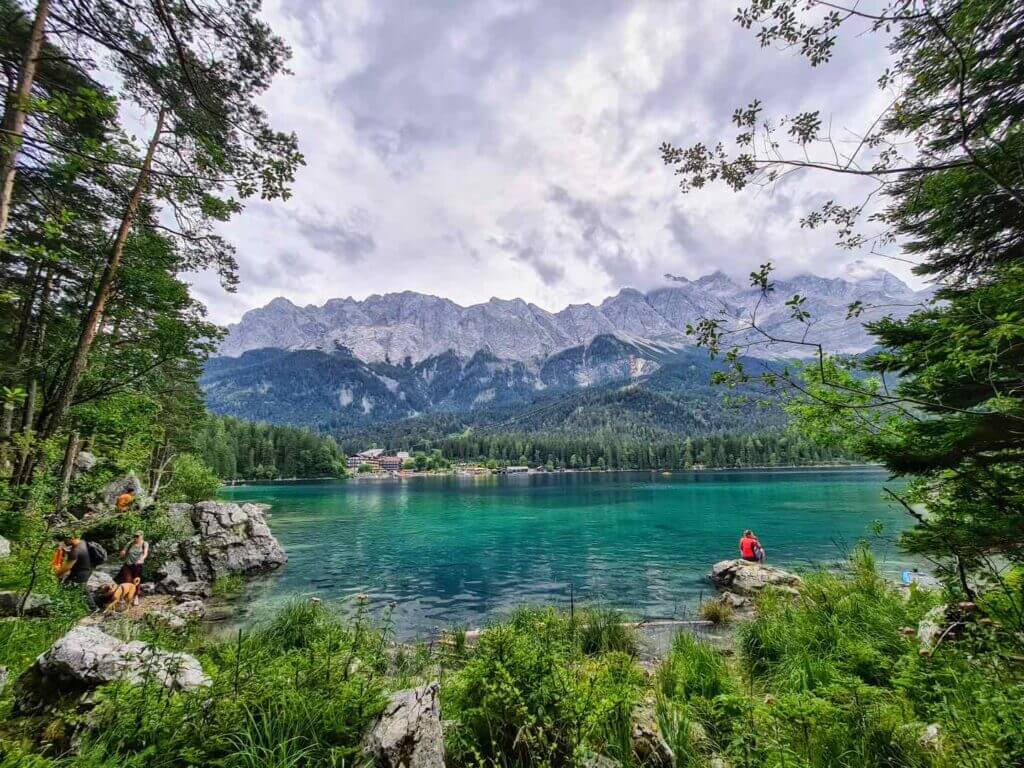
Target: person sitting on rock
<point>77,568</point>
<point>134,554</point>
<point>750,548</point>
<point>124,501</point>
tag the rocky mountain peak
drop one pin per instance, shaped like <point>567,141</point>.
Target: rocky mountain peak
<point>418,326</point>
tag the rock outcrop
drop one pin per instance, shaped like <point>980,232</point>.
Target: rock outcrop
<point>87,657</point>
<point>746,578</point>
<point>408,733</point>
<point>5,547</point>
<point>228,539</point>
<point>35,605</point>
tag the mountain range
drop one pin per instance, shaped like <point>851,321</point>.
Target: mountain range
<point>356,364</point>
<point>396,326</point>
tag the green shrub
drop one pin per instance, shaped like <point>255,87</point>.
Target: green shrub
<point>693,669</point>
<point>529,695</point>
<point>841,629</point>
<point>602,630</point>
<point>716,611</point>
<point>191,481</point>
<point>299,691</point>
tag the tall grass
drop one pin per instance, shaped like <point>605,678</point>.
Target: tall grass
<point>544,689</point>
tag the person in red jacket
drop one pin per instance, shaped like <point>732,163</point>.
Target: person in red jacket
<point>750,548</point>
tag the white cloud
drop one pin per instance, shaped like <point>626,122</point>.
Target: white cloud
<point>510,149</point>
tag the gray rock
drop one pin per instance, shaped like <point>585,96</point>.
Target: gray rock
<point>4,675</point>
<point>129,483</point>
<point>87,657</point>
<point>650,748</point>
<point>231,539</point>
<point>35,605</point>
<point>5,547</point>
<point>746,578</point>
<point>734,601</point>
<point>84,462</point>
<point>98,584</point>
<point>168,619</point>
<point>190,609</point>
<point>408,733</point>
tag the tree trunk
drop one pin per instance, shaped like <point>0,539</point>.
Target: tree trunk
<point>14,120</point>
<point>29,409</point>
<point>94,318</point>
<point>65,471</point>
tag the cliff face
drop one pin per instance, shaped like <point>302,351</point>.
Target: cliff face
<point>393,327</point>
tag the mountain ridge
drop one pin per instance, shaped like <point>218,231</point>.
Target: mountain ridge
<point>394,326</point>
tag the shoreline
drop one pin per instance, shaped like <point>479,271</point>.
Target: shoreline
<point>404,475</point>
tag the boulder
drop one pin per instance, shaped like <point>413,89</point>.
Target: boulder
<point>190,609</point>
<point>98,585</point>
<point>747,578</point>
<point>35,605</point>
<point>408,733</point>
<point>129,483</point>
<point>931,738</point>
<point>5,547</point>
<point>931,627</point>
<point>734,601</point>
<point>87,657</point>
<point>230,539</point>
<point>945,622</point>
<point>3,679</point>
<point>84,462</point>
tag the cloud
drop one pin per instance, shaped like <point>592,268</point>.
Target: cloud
<point>509,148</point>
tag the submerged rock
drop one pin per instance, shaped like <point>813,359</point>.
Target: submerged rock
<point>747,578</point>
<point>87,657</point>
<point>408,733</point>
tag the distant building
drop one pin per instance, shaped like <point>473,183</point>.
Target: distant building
<point>517,468</point>
<point>390,463</point>
<point>371,456</point>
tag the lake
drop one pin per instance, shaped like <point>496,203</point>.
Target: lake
<point>458,551</point>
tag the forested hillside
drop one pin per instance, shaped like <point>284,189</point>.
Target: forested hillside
<point>246,450</point>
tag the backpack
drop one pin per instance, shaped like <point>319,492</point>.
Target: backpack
<point>97,554</point>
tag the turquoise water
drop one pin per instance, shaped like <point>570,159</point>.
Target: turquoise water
<point>452,551</point>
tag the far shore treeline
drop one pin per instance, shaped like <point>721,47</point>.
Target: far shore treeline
<point>242,450</point>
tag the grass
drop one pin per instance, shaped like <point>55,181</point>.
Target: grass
<point>229,586</point>
<point>716,611</point>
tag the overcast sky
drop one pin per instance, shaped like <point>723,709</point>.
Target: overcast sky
<point>509,148</point>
